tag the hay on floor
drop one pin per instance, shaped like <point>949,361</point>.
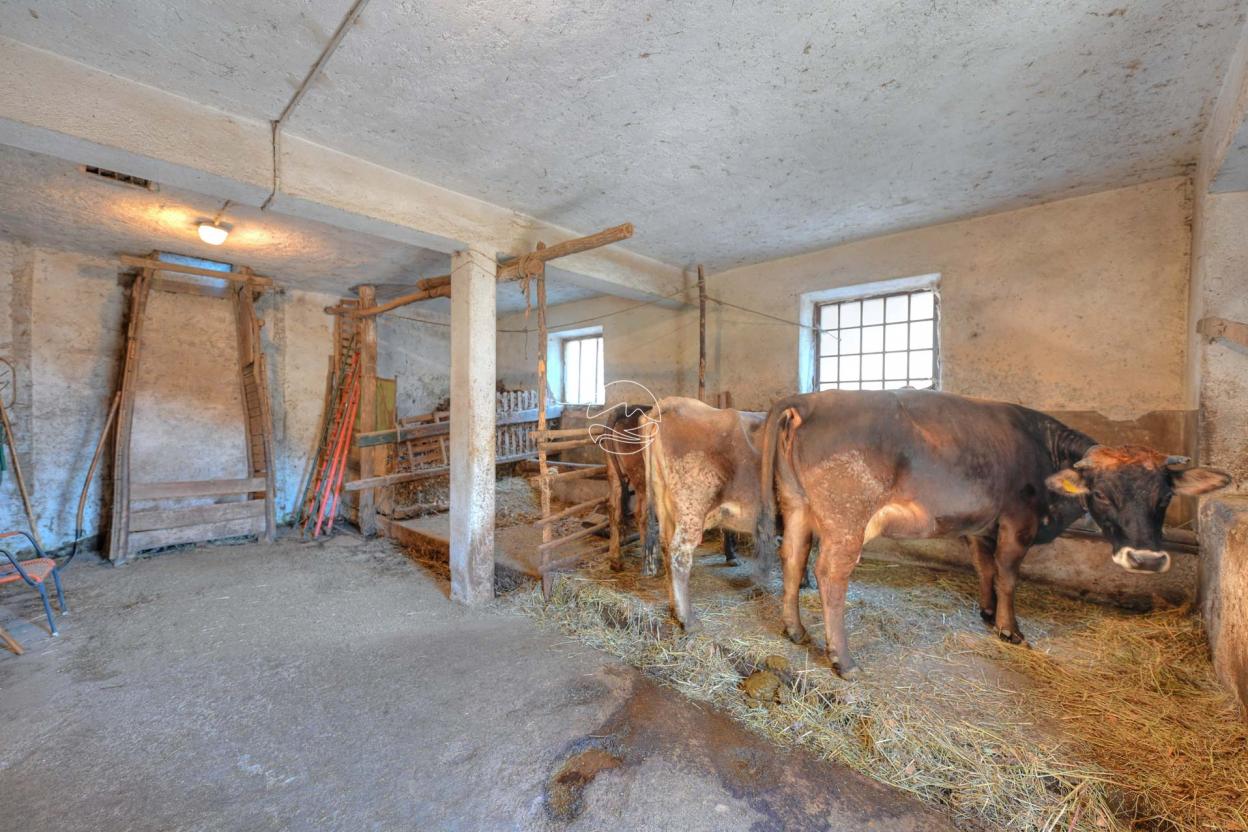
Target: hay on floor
<point>1110,722</point>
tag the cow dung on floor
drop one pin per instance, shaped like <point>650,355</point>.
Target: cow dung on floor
<point>1109,721</point>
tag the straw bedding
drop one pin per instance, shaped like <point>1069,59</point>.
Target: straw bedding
<point>1109,722</point>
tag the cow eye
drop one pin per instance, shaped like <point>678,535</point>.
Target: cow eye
<point>1100,495</point>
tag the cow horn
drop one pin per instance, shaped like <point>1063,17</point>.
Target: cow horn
<point>1175,462</point>
<point>1085,462</point>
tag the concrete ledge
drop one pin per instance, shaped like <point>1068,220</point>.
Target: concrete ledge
<point>1224,587</point>
<point>1076,566</point>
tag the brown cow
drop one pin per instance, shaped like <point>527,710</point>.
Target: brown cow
<point>852,466</point>
<point>623,443</point>
<point>702,467</point>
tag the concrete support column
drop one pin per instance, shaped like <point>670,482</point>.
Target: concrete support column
<point>473,317</point>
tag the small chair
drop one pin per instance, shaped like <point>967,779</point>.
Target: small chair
<point>34,573</point>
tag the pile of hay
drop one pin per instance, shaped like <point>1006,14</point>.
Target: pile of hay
<point>1110,722</point>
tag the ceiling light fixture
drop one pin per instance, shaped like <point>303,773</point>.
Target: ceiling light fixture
<point>215,233</point>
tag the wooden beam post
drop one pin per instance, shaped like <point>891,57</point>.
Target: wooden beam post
<point>257,412</point>
<point>119,527</point>
<point>372,460</point>
<point>473,361</point>
<point>701,334</point>
<point>533,263</point>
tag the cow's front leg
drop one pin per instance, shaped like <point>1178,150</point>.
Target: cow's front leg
<point>982,554</point>
<point>730,548</point>
<point>648,528</point>
<point>1011,547</point>
<point>836,562</point>
<point>794,553</point>
<point>680,555</point>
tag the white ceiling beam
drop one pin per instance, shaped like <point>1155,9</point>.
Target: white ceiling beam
<point>1223,162</point>
<point>52,105</point>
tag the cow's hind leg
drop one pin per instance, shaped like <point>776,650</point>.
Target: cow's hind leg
<point>648,528</point>
<point>837,558</point>
<point>794,553</point>
<point>808,576</point>
<point>730,548</point>
<point>982,553</point>
<point>680,556</point>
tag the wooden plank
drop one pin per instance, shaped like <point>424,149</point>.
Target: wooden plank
<point>423,473</point>
<point>372,460</point>
<point>370,310</point>
<point>194,488</point>
<point>172,518</point>
<point>431,429</point>
<point>701,334</point>
<point>514,269</point>
<point>576,474</point>
<point>543,480</point>
<point>579,508</point>
<point>141,541</point>
<point>16,464</point>
<point>563,541</point>
<point>119,527</point>
<point>182,287</point>
<point>160,265</point>
<point>565,432</point>
<point>434,282</point>
<point>554,447</point>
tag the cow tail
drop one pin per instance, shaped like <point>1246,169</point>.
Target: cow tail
<point>765,531</point>
<point>785,415</point>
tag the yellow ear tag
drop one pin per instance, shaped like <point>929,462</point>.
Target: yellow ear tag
<point>1069,487</point>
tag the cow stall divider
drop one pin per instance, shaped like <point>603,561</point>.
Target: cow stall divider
<point>550,440</point>
<point>133,528</point>
<point>525,426</point>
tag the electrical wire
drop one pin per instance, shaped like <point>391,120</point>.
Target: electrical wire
<point>593,318</point>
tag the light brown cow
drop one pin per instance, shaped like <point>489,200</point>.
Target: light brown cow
<point>702,470</point>
<point>623,443</point>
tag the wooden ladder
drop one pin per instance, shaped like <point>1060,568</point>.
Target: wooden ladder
<point>134,529</point>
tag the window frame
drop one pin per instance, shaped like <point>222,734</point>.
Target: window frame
<point>905,287</point>
<point>600,372</point>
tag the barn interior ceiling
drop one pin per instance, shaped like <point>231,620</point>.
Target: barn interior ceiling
<point>729,132</point>
<point>49,201</point>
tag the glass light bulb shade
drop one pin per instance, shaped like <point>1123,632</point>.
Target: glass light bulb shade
<point>213,235</point>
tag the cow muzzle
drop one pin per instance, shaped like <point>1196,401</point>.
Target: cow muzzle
<point>1142,560</point>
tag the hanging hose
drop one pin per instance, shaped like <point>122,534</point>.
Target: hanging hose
<point>86,484</point>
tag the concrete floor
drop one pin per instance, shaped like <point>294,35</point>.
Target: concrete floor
<point>333,686</point>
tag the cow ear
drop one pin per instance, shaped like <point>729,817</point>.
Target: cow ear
<point>1195,481</point>
<point>1067,481</point>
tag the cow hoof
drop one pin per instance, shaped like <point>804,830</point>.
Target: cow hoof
<point>848,672</point>
<point>989,616</point>
<point>798,635</point>
<point>1011,636</point>
<point>731,562</point>
<point>649,572</point>
<point>617,566</point>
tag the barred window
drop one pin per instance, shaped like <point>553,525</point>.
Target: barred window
<point>583,370</point>
<point>884,342</point>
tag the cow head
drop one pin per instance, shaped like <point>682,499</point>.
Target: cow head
<point>1126,489</point>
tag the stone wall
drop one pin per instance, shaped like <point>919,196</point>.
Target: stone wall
<point>62,327</point>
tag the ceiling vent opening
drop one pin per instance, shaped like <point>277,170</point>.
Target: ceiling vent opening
<point>117,178</point>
